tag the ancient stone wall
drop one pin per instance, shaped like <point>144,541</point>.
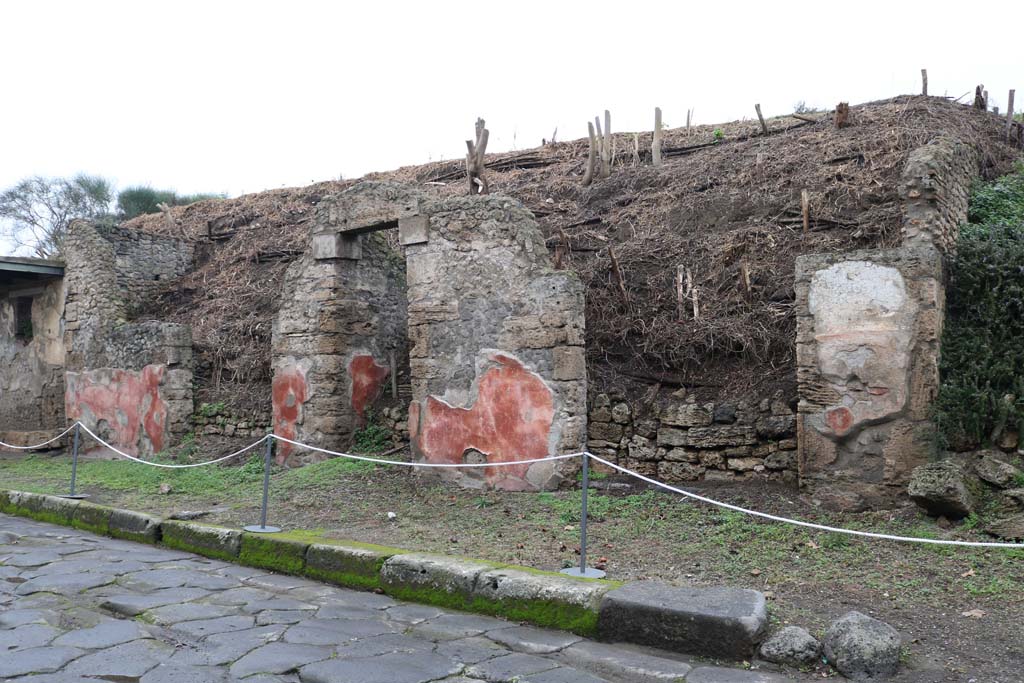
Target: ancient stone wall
<point>868,330</point>
<point>936,189</point>
<point>143,261</point>
<point>497,359</point>
<point>340,327</point>
<point>683,440</point>
<point>32,370</point>
<point>131,381</point>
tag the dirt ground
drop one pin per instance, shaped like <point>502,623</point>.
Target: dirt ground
<point>959,610</point>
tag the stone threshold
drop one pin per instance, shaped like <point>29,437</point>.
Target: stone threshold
<point>724,623</point>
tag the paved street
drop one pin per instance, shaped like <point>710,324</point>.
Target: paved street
<point>80,608</point>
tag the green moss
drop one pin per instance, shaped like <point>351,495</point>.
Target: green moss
<point>279,552</point>
<point>219,543</point>
<point>573,618</point>
<point>357,581</point>
<point>348,563</point>
<point>91,517</point>
<point>5,502</point>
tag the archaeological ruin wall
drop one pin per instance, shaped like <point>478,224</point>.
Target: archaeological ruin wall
<point>130,381</point>
<point>868,330</point>
<point>31,361</point>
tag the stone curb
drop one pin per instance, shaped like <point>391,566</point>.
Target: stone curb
<point>720,622</point>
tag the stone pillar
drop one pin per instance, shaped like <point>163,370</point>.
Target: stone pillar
<point>868,329</point>
<point>497,358</point>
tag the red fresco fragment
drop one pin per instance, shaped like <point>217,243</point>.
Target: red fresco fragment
<point>288,392</point>
<point>367,383</point>
<point>839,419</point>
<point>511,420</point>
<point>127,401</point>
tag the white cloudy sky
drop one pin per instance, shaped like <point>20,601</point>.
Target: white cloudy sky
<point>243,96</point>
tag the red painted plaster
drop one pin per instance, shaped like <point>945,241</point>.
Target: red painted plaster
<point>839,419</point>
<point>511,420</point>
<point>289,391</point>
<point>367,383</point>
<point>129,402</point>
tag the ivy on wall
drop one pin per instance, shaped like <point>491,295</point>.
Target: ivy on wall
<point>981,396</point>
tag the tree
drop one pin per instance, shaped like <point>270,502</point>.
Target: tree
<point>36,212</point>
<point>138,200</point>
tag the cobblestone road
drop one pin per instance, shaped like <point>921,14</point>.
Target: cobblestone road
<point>79,608</point>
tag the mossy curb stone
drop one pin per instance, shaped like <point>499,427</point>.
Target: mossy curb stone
<point>716,622</point>
<point>433,579</point>
<point>277,552</point>
<point>348,563</point>
<point>217,542</point>
<point>134,526</point>
<point>92,517</point>
<point>43,508</point>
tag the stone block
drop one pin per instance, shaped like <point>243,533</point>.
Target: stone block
<point>543,598</point>
<point>331,245</point>
<point>413,230</point>
<point>44,508</point>
<point>92,517</point>
<point>716,622</point>
<point>348,563</point>
<point>679,471</point>
<point>569,363</point>
<point>134,526</point>
<point>279,552</point>
<point>744,464</point>
<point>940,488</point>
<point>616,663</point>
<point>686,415</point>
<point>604,431</point>
<point>433,579</point>
<point>211,541</point>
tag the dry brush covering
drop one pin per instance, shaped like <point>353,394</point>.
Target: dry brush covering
<point>728,210</point>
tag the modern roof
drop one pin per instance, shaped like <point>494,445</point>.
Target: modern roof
<point>19,271</point>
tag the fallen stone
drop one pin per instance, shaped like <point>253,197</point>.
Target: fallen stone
<point>862,648</point>
<point>1009,528</point>
<point>791,645</point>
<point>718,622</point>
<point>941,489</point>
<point>997,472</point>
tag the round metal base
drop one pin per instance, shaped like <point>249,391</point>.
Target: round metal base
<point>588,573</point>
<point>257,529</point>
<point>77,496</point>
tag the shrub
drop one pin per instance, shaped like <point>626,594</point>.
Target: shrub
<point>139,200</point>
<point>982,365</point>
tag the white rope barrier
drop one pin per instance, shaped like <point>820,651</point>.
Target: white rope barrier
<point>797,522</point>
<point>565,456</point>
<point>404,463</point>
<point>171,467</point>
<point>38,445</point>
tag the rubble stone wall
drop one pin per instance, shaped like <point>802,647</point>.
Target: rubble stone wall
<point>32,370</point>
<point>682,440</point>
<point>497,358</point>
<point>341,324</point>
<point>131,382</point>
<point>869,325</point>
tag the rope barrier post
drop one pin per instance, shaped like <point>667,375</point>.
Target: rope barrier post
<point>583,570</point>
<point>74,466</point>
<point>262,527</point>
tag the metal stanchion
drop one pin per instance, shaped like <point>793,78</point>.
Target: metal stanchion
<point>583,570</point>
<point>262,527</point>
<point>74,467</point>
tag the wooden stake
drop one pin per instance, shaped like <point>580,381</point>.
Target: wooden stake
<point>475,160</point>
<point>924,82</point>
<point>636,149</point>
<point>979,98</point>
<point>680,295</point>
<point>745,272</point>
<point>588,176</point>
<point>606,148</point>
<point>764,126</point>
<point>656,142</point>
<point>986,100</point>
<point>689,117</point>
<point>805,208</point>
<point>692,290</point>
<point>842,118</point>
<point>1009,114</point>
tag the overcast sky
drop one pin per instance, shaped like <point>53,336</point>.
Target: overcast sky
<point>239,97</point>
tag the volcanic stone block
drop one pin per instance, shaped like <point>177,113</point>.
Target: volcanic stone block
<point>134,526</point>
<point>92,517</point>
<point>718,622</point>
<point>433,579</point>
<point>413,230</point>
<point>348,563</point>
<point>45,508</point>
<point>211,541</point>
<point>279,552</point>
